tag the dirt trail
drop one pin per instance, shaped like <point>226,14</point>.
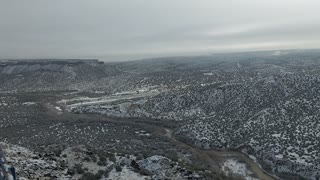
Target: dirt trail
<point>211,156</point>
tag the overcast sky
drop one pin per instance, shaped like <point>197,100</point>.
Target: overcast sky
<point>133,29</point>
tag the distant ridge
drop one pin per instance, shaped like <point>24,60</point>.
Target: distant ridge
<point>52,61</point>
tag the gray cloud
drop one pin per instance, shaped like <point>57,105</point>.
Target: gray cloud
<point>121,30</point>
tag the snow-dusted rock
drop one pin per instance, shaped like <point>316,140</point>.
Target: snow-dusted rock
<point>157,165</point>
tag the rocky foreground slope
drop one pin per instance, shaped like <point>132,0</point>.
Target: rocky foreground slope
<point>80,163</point>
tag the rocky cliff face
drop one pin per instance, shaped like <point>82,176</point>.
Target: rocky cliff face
<point>28,66</point>
<point>51,75</point>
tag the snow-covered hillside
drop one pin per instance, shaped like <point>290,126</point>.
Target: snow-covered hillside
<point>263,103</point>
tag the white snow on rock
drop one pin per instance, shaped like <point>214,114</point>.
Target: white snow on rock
<point>233,166</point>
<point>27,163</point>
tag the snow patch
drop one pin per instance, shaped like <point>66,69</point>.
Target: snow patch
<point>208,74</point>
<point>58,108</point>
<point>233,166</point>
<point>125,174</point>
<point>29,103</point>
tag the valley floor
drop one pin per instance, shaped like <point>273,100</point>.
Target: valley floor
<point>43,117</point>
